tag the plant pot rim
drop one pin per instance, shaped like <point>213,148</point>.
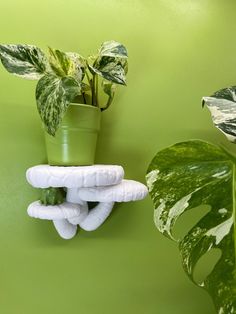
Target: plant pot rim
<point>84,105</point>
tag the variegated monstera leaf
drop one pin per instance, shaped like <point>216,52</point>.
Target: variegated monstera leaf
<point>222,105</point>
<point>183,177</point>
<point>111,62</point>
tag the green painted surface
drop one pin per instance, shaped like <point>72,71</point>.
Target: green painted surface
<point>179,51</point>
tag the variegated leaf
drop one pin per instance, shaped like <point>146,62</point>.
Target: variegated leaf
<point>53,95</point>
<point>80,65</point>
<point>113,49</point>
<point>85,87</point>
<point>26,61</point>
<point>109,89</point>
<point>67,64</point>
<point>183,177</point>
<point>222,106</point>
<point>111,69</point>
<point>60,63</point>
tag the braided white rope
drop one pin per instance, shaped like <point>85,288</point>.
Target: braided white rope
<point>98,183</point>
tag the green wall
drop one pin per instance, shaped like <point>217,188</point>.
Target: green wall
<point>179,51</point>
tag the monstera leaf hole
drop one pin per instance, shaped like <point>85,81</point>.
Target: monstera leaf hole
<point>205,265</point>
<point>183,225</point>
<point>189,219</point>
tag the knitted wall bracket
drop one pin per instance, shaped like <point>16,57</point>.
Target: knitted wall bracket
<point>98,183</point>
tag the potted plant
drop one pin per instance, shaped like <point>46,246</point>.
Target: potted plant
<point>68,94</point>
<point>193,173</point>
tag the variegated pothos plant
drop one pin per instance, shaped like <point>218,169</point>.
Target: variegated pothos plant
<point>66,77</point>
<point>193,173</point>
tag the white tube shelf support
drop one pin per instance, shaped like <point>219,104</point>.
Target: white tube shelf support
<point>98,183</point>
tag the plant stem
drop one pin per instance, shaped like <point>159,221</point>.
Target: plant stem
<point>93,91</point>
<point>90,84</point>
<point>234,204</point>
<point>97,101</point>
<point>84,98</point>
<point>88,78</point>
<point>52,196</point>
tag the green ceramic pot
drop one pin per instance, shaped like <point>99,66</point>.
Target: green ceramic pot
<point>75,141</point>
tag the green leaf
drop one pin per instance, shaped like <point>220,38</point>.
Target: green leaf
<point>113,49</point>
<point>60,62</point>
<point>85,87</point>
<point>67,64</point>
<point>111,69</point>
<point>222,105</point>
<point>111,62</point>
<point>182,177</point>
<point>78,71</point>
<point>26,61</point>
<point>109,89</point>
<point>53,95</point>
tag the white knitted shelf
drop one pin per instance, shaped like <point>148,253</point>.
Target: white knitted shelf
<point>98,183</point>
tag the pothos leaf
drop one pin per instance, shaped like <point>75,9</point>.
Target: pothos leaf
<point>53,95</point>
<point>80,65</point>
<point>183,177</point>
<point>113,49</point>
<point>109,89</point>
<point>222,105</point>
<point>85,87</point>
<point>67,64</point>
<point>26,61</point>
<point>60,63</point>
<point>110,68</point>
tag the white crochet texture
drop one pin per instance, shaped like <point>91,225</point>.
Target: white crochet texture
<point>97,183</point>
<point>44,176</point>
